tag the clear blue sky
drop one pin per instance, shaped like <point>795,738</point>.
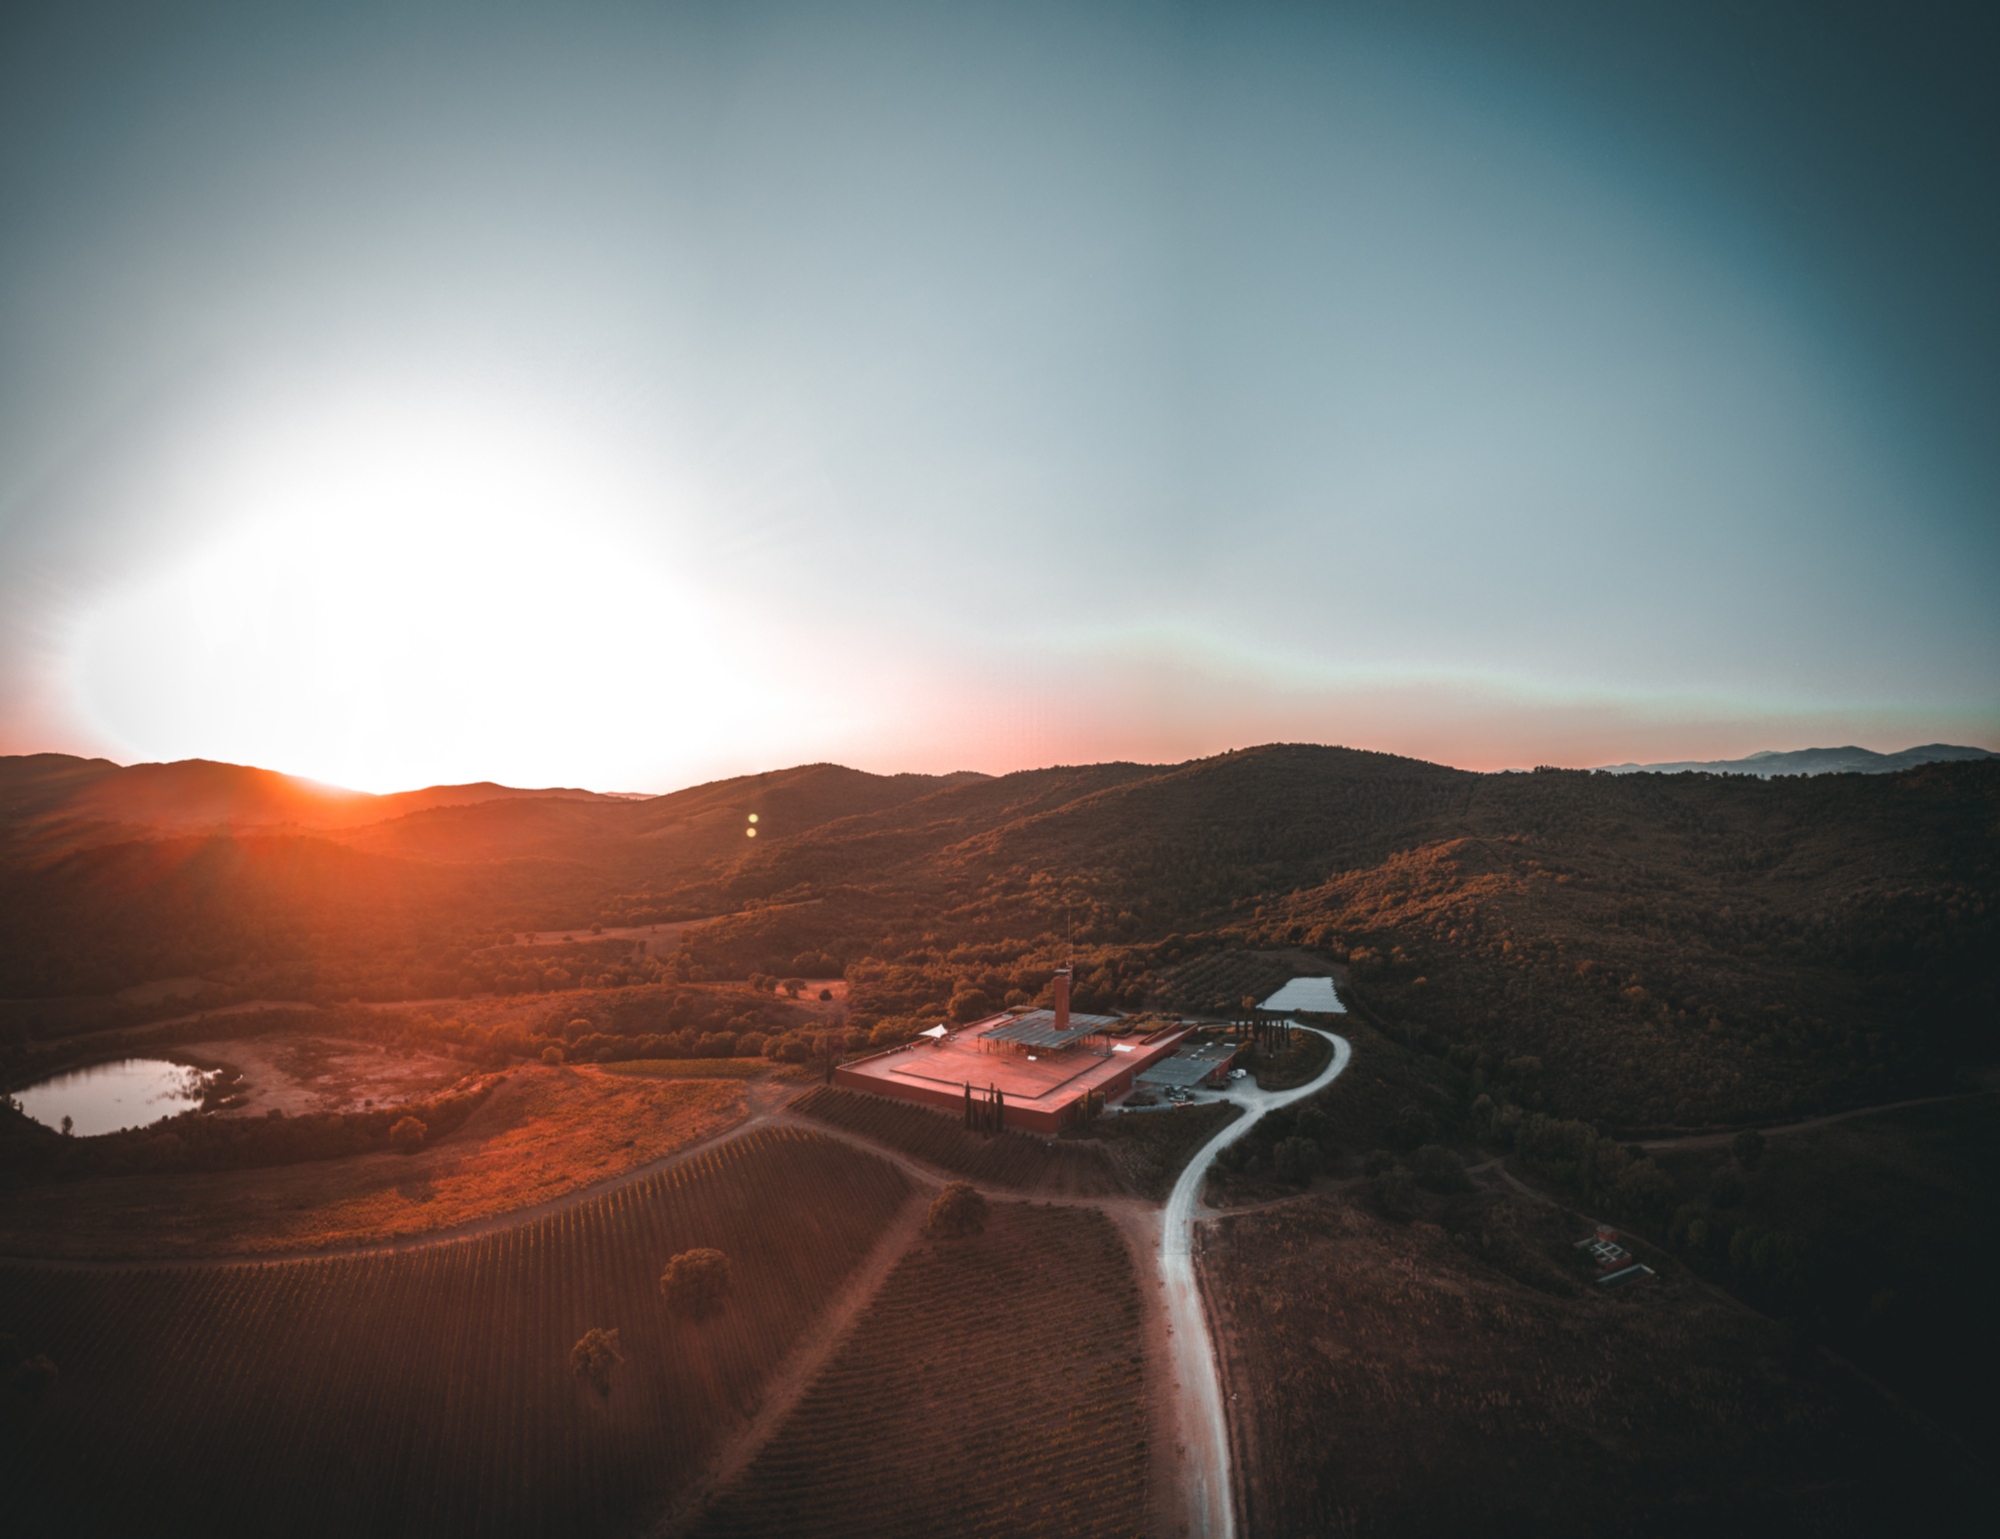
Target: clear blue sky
<point>625,394</point>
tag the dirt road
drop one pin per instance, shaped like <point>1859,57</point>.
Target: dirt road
<point>1211,1514</point>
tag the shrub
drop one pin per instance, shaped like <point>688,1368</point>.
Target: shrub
<point>970,1005</point>
<point>697,1283</point>
<point>955,1211</point>
<point>1393,1194</point>
<point>1413,1128</point>
<point>36,1376</point>
<point>1437,1169</point>
<point>1748,1147</point>
<point>1295,1160</point>
<point>594,1357</point>
<point>552,1055</point>
<point>407,1136</point>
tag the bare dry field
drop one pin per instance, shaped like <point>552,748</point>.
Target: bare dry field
<point>1462,1375</point>
<point>543,1133</point>
<point>306,1073</point>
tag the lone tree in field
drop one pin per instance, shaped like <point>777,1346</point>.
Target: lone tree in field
<point>36,1376</point>
<point>407,1136</point>
<point>595,1356</point>
<point>696,1283</point>
<point>1748,1147</point>
<point>957,1210</point>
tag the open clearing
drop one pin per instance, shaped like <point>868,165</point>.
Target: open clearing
<point>544,1132</point>
<point>429,1392</point>
<point>301,1073</point>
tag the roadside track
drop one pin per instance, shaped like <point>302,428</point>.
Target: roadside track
<point>1195,1362</point>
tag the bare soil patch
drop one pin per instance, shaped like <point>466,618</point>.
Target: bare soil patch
<point>306,1073</point>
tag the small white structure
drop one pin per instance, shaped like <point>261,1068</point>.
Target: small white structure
<point>1305,996</point>
<point>936,1033</point>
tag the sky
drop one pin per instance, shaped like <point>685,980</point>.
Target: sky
<point>632,395</point>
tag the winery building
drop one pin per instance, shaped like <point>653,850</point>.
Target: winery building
<point>1039,1069</point>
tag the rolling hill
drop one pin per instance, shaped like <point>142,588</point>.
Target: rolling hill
<point>1646,950</point>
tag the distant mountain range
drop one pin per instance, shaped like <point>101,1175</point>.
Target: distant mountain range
<point>60,791</point>
<point>1810,761</point>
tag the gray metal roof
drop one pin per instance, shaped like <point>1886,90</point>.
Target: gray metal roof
<point>1037,1028</point>
<point>1190,1066</point>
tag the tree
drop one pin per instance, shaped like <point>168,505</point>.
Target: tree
<point>595,1356</point>
<point>793,986</point>
<point>407,1136</point>
<point>1748,1147</point>
<point>697,1283</point>
<point>1413,1128</point>
<point>1394,1195</point>
<point>956,1211</point>
<point>552,1054</point>
<point>1295,1160</point>
<point>1439,1170</point>
<point>36,1376</point>
<point>970,1005</point>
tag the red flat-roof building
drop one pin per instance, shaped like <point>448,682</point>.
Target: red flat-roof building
<point>1044,1064</point>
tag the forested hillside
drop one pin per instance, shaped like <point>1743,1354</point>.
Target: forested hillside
<point>1644,950</point>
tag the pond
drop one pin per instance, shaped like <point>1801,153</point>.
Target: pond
<point>108,1097</point>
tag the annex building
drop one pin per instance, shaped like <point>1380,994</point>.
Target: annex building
<point>1039,1068</point>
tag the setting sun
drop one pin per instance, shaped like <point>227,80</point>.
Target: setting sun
<point>404,590</point>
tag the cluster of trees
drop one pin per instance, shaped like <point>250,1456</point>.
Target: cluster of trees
<point>1675,950</point>
<point>696,1285</point>
<point>1291,1144</point>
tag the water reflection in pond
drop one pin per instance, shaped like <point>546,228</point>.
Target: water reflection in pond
<point>109,1096</point>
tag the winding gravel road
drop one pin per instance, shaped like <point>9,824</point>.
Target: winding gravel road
<point>1205,1429</point>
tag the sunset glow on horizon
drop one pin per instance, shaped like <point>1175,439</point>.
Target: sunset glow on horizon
<point>632,400</point>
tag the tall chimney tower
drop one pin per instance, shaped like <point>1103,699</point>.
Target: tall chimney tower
<point>1062,998</point>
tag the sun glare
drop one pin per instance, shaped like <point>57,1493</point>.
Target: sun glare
<point>405,592</point>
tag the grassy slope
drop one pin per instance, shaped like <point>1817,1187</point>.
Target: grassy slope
<point>1460,1376</point>
<point>544,1132</point>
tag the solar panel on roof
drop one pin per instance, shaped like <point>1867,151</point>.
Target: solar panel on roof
<point>1037,1028</point>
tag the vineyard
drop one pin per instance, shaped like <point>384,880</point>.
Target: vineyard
<point>994,1387</point>
<point>430,1392</point>
<point>1004,1159</point>
<point>1218,982</point>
